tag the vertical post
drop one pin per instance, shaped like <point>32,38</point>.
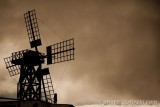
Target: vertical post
<point>44,90</point>
<point>39,77</point>
<point>30,73</point>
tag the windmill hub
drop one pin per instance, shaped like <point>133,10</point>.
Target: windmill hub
<point>28,58</point>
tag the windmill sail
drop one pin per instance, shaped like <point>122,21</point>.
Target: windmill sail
<point>47,90</point>
<point>61,52</point>
<point>12,68</point>
<point>32,28</point>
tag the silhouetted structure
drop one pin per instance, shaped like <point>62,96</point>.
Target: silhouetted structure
<point>55,98</point>
<point>35,82</point>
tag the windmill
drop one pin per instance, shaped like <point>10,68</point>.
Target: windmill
<point>35,82</point>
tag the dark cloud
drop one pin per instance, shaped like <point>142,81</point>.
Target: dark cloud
<point>117,45</point>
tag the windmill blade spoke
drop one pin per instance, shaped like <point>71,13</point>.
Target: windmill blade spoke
<point>61,52</point>
<point>48,87</point>
<point>13,62</point>
<point>12,68</point>
<point>32,28</point>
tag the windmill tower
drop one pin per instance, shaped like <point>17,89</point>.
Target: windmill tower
<point>35,82</point>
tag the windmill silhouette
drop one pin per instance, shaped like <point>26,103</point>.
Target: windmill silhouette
<point>35,82</point>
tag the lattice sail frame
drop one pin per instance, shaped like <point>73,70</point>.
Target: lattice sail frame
<point>32,28</point>
<point>48,85</point>
<point>18,55</point>
<point>12,68</point>
<point>60,52</point>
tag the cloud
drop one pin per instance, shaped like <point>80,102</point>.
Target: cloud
<point>117,46</point>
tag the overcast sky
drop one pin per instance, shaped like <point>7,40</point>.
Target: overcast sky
<point>117,47</point>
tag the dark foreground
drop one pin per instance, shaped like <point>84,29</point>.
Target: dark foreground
<point>31,104</point>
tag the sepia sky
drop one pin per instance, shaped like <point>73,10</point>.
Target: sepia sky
<point>117,45</point>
